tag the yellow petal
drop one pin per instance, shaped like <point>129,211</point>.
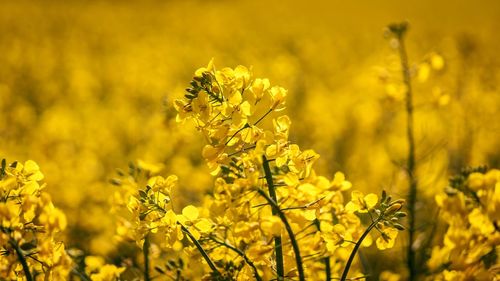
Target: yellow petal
<point>210,153</point>
<point>235,99</point>
<point>291,179</point>
<point>371,200</point>
<point>271,226</point>
<point>388,242</point>
<point>246,108</point>
<point>190,212</point>
<point>170,218</point>
<point>356,196</point>
<point>310,215</point>
<point>351,207</point>
<point>203,225</point>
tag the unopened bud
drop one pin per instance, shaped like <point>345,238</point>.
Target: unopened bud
<point>400,214</point>
<point>394,208</point>
<point>399,201</point>
<point>399,226</point>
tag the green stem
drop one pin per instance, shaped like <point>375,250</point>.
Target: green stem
<point>81,275</point>
<point>201,250</point>
<point>326,260</point>
<point>355,250</point>
<point>145,252</point>
<point>411,163</point>
<point>293,240</point>
<point>241,254</point>
<point>262,117</point>
<point>22,260</point>
<point>278,249</point>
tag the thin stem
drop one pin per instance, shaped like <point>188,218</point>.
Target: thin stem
<point>280,267</point>
<point>241,254</point>
<point>241,150</point>
<point>326,260</point>
<point>293,240</point>
<point>248,126</point>
<point>201,250</point>
<point>22,259</point>
<point>411,163</point>
<point>262,117</point>
<point>355,250</point>
<point>303,206</point>
<point>235,133</point>
<point>145,252</point>
<point>81,275</point>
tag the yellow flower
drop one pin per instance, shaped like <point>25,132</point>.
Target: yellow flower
<point>271,226</point>
<point>387,238</point>
<point>190,213</point>
<point>107,272</point>
<point>259,253</point>
<point>389,276</point>
<point>258,88</point>
<point>281,127</point>
<point>93,263</point>
<point>339,182</point>
<point>475,181</point>
<point>278,95</point>
<point>480,222</point>
<point>360,203</point>
<point>32,171</point>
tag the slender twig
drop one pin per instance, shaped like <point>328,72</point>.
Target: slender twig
<point>81,275</point>
<point>411,163</point>
<point>262,117</point>
<point>355,249</point>
<point>241,150</point>
<point>304,206</point>
<point>201,250</point>
<point>247,125</point>
<point>326,260</point>
<point>21,259</point>
<point>145,252</point>
<point>235,133</point>
<point>241,254</point>
<point>280,267</point>
<point>291,235</point>
<point>353,278</point>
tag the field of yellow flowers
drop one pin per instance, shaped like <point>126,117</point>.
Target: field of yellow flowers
<point>249,140</point>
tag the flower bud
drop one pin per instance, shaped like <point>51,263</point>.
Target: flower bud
<point>394,208</point>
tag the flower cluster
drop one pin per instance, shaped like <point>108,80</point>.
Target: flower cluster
<point>268,203</point>
<point>29,227</point>
<point>147,217</point>
<point>470,208</point>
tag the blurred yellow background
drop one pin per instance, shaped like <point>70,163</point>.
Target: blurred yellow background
<point>86,87</point>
